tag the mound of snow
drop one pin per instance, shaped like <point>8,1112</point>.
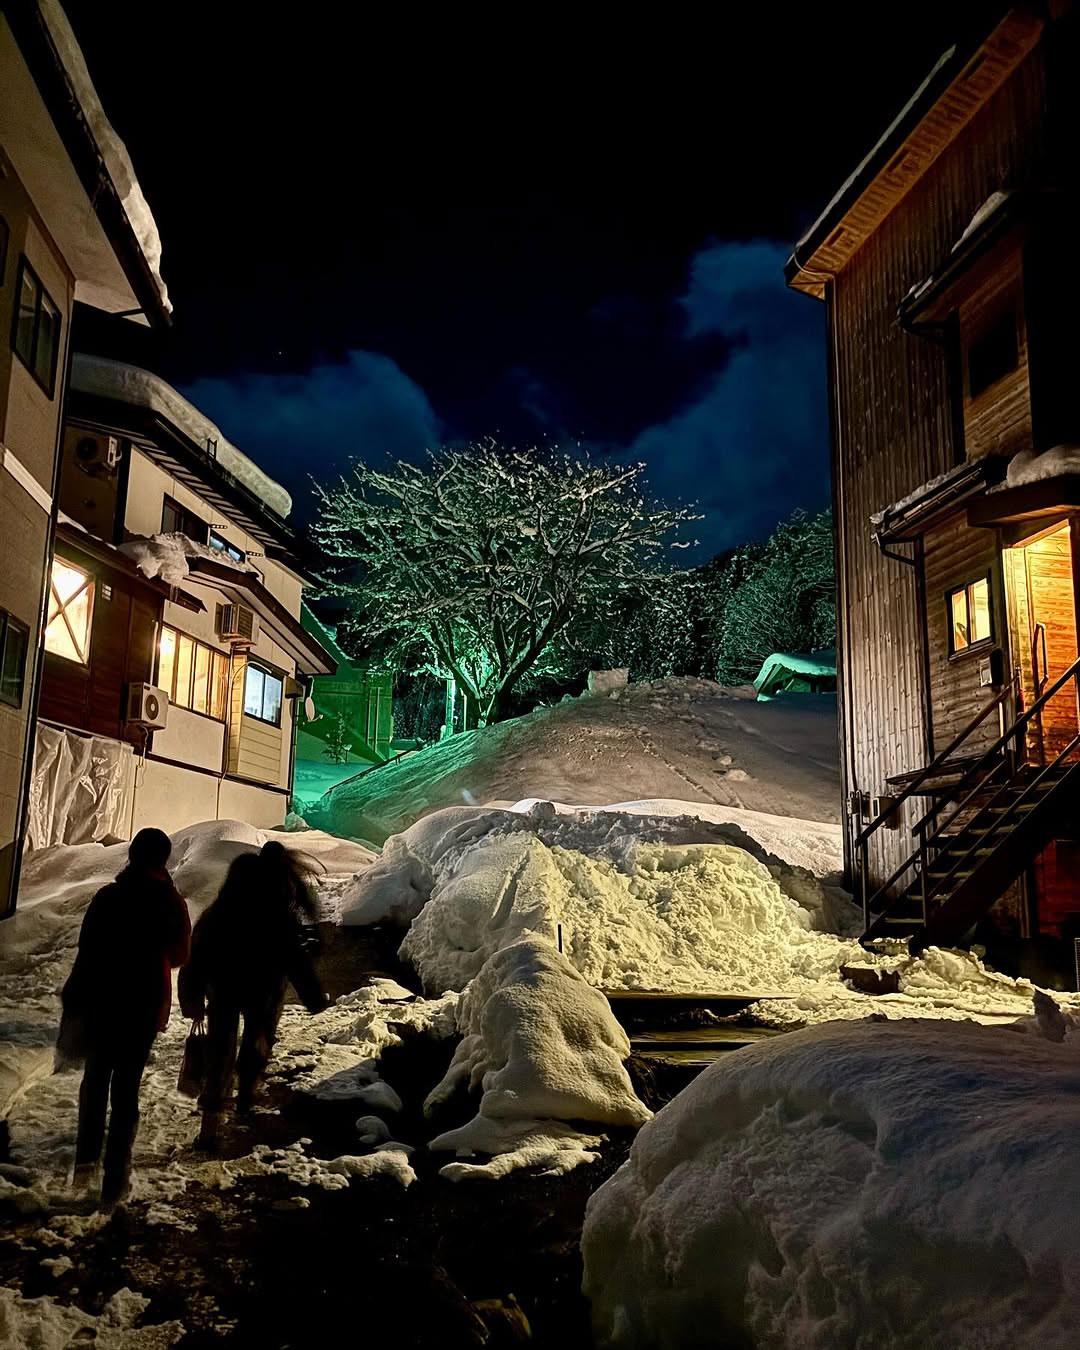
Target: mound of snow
<point>675,739</point>
<point>167,556</point>
<point>881,1184</point>
<point>44,1324</point>
<point>541,1041</point>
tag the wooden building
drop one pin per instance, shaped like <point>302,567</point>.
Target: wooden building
<point>948,268</point>
<point>174,651</point>
<point>73,227</point>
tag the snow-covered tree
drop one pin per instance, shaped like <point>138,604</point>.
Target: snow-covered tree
<point>474,563</point>
<point>338,743</point>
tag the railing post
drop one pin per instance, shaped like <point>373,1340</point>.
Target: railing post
<point>863,864</point>
<point>923,864</point>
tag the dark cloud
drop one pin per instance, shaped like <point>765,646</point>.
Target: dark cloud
<point>294,425</point>
<point>752,444</point>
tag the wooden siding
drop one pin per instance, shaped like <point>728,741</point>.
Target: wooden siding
<point>998,420</point>
<point>936,135</point>
<point>894,430</point>
<point>254,747</point>
<point>955,554</point>
<point>123,632</point>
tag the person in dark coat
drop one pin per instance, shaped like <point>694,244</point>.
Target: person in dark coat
<point>252,941</point>
<point>116,1000</point>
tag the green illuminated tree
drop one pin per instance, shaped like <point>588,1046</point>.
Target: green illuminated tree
<point>338,741</point>
<point>475,563</point>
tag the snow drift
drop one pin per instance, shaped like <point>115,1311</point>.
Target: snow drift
<point>881,1184</point>
<point>681,738</point>
<point>543,1045</point>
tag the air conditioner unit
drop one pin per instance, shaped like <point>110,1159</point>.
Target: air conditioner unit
<point>147,706</point>
<point>293,688</point>
<point>237,623</point>
<point>97,456</point>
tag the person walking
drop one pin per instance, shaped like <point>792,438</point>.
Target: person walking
<point>250,943</point>
<point>117,998</point>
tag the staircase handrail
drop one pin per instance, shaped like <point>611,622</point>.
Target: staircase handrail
<point>1029,793</point>
<point>992,753</point>
<point>933,767</point>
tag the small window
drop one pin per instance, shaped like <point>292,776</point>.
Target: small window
<point>969,615</point>
<point>5,235</point>
<point>262,695</point>
<point>35,333</point>
<point>193,675</point>
<point>71,610</point>
<point>177,519</point>
<point>221,545</point>
<point>14,641</point>
<point>993,354</point>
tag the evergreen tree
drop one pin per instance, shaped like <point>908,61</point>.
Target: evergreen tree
<point>338,742</point>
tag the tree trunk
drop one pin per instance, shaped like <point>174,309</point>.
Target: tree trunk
<point>500,706</point>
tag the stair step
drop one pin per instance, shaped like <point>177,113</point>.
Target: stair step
<point>1000,810</point>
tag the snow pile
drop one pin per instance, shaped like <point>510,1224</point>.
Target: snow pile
<point>302,1169</point>
<point>990,207</point>
<point>887,1184</point>
<point>1031,467</point>
<point>683,738</point>
<point>112,148</point>
<point>543,1045</point>
<point>143,389</point>
<point>167,556</point>
<point>43,1324</point>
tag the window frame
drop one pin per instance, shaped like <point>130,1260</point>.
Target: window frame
<point>230,550</point>
<point>187,519</point>
<point>965,589</point>
<point>91,584</point>
<point>8,624</point>
<point>215,653</point>
<point>266,669</point>
<point>42,295</point>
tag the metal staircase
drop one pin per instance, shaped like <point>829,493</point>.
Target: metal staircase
<point>970,848</point>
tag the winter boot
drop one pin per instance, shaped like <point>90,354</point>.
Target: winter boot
<point>84,1176</point>
<point>115,1187</point>
<point>209,1137</point>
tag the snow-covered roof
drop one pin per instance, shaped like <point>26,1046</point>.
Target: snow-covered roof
<point>819,664</point>
<point>1030,467</point>
<point>114,153</point>
<point>938,491</point>
<point>143,389</point>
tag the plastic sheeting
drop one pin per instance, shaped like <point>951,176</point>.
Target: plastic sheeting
<point>81,788</point>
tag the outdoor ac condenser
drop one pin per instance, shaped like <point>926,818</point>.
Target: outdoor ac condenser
<point>147,706</point>
<point>237,623</point>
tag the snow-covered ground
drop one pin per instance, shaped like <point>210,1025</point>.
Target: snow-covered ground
<point>908,1185</point>
<point>683,739</point>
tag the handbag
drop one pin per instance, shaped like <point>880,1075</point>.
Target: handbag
<point>193,1066</point>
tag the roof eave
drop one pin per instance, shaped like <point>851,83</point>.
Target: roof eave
<point>43,60</point>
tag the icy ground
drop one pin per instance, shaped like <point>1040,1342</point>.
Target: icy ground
<point>904,1185</point>
<point>685,739</point>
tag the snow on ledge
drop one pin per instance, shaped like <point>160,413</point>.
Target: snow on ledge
<point>167,555</point>
<point>1029,467</point>
<point>142,389</point>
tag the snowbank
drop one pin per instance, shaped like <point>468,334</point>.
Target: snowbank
<point>683,739</point>
<point>886,1184</point>
<point>542,1043</point>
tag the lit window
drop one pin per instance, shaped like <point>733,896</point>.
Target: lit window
<point>969,615</point>
<point>35,334</point>
<point>194,675</point>
<point>221,545</point>
<point>262,695</point>
<point>71,608</point>
<point>177,519</point>
<point>13,644</point>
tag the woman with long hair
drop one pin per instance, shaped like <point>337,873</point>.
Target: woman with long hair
<point>116,1000</point>
<point>251,942</point>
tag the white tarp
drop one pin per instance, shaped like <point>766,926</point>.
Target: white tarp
<point>81,789</point>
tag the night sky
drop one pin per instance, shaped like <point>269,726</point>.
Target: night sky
<point>380,236</point>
